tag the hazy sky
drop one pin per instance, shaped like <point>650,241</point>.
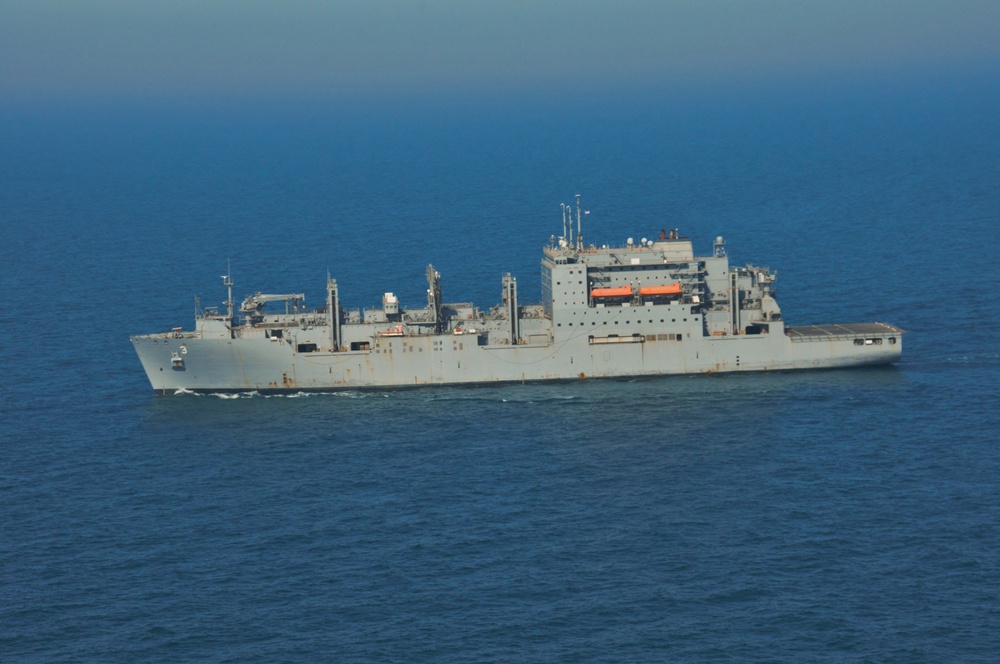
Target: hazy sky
<point>211,48</point>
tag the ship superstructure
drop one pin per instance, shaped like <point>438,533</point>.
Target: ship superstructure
<point>648,307</point>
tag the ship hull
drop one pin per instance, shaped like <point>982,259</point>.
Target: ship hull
<point>244,365</point>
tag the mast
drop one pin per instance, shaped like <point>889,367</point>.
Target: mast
<point>513,312</point>
<point>333,312</point>
<point>434,297</point>
<point>227,281</point>
<point>579,226</point>
<point>565,236</point>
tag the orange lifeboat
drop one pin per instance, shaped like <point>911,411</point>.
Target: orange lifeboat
<point>659,291</point>
<point>620,291</point>
<point>392,332</point>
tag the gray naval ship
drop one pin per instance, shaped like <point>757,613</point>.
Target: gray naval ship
<point>648,307</point>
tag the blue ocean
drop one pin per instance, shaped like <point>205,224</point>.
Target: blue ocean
<point>848,515</point>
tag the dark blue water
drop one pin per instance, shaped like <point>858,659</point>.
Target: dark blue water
<point>831,516</point>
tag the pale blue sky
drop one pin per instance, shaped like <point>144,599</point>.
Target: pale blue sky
<point>210,48</point>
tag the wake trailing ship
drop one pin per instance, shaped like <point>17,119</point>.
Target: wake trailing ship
<point>646,308</point>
